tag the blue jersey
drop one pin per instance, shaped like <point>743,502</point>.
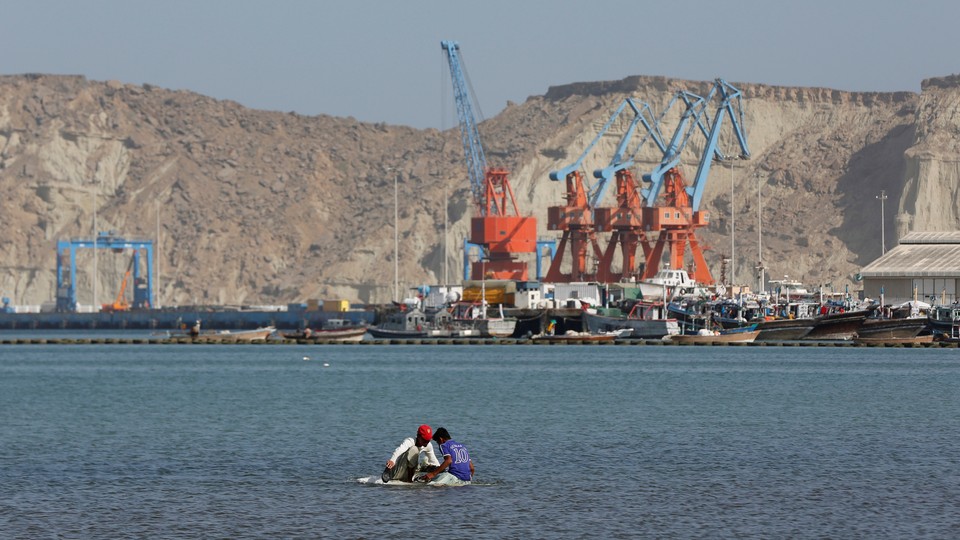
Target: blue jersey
<point>459,459</point>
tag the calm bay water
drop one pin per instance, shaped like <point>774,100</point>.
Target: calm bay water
<point>227,441</point>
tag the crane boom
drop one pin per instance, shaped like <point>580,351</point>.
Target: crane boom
<point>499,235</point>
<point>728,94</point>
<point>469,132</point>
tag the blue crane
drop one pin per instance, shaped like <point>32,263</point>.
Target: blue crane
<point>469,132</point>
<point>498,235</point>
<point>728,95</point>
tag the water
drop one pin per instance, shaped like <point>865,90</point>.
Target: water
<point>227,441</point>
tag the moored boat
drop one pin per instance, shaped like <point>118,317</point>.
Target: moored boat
<point>584,337</point>
<point>746,334</point>
<point>927,338</point>
<point>841,325</point>
<point>646,320</point>
<point>258,334</point>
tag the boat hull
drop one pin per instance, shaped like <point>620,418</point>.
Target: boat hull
<point>837,326</point>
<point>928,338</point>
<point>733,337</point>
<point>784,329</point>
<point>352,335</point>
<point>891,328</point>
<point>640,328</point>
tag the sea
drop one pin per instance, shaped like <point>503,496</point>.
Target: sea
<point>285,441</point>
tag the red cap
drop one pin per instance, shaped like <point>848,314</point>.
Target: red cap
<point>425,432</point>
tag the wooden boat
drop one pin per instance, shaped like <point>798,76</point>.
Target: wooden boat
<point>259,334</point>
<point>580,337</point>
<point>837,326</point>
<point>344,335</point>
<point>891,328</point>
<point>738,335</point>
<point>927,338</point>
<point>784,329</point>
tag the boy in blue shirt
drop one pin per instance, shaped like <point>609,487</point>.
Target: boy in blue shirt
<point>457,467</point>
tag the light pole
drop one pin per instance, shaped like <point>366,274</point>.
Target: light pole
<point>762,286</point>
<point>883,241</point>
<point>93,192</point>
<point>396,234</point>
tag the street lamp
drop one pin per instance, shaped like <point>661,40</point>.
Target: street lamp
<point>396,233</point>
<point>93,192</point>
<point>883,241</point>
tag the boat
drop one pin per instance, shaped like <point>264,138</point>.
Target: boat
<point>772,329</point>
<point>944,320</point>
<point>474,316</point>
<point>258,334</point>
<point>926,338</point>
<point>581,337</point>
<point>667,283</point>
<point>837,323</point>
<point>881,328</point>
<point>333,330</point>
<point>402,324</point>
<point>746,334</point>
<point>646,320</point>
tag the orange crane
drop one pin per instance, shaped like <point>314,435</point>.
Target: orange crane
<point>120,304</point>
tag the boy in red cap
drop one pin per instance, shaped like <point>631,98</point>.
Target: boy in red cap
<point>405,460</point>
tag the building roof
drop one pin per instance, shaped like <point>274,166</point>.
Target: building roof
<point>919,255</point>
<point>946,237</point>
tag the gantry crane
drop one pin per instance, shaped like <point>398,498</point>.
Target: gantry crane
<point>500,233</point>
<point>678,216</point>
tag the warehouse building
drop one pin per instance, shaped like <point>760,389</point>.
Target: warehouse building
<point>925,266</point>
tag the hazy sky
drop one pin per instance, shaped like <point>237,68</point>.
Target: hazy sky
<point>380,61</point>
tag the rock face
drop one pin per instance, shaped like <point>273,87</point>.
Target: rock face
<point>256,207</point>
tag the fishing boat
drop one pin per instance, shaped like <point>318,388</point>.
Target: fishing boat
<point>772,329</point>
<point>891,328</point>
<point>927,338</point>
<point>837,324</point>
<point>667,283</point>
<point>258,334</point>
<point>571,336</point>
<point>645,320</point>
<point>746,334</point>
<point>335,330</point>
<point>402,324</point>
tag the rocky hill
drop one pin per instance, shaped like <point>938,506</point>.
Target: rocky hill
<point>256,207</point>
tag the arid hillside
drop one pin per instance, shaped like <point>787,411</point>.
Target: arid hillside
<point>256,207</point>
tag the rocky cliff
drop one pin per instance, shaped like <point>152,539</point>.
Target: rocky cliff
<point>266,207</point>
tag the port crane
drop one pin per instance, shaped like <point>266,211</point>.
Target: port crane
<point>120,303</point>
<point>678,215</point>
<point>582,216</point>
<point>497,226</point>
<point>67,268</point>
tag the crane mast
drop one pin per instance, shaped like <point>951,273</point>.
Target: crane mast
<point>499,233</point>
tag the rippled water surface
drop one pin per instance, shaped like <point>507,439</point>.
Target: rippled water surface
<point>228,441</point>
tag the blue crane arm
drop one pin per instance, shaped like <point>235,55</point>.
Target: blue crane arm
<point>618,163</point>
<point>728,93</point>
<point>695,106</point>
<point>469,132</point>
<point>561,174</point>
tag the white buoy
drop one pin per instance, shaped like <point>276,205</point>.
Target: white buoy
<point>306,357</point>
<point>326,364</point>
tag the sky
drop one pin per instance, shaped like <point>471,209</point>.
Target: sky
<point>381,61</point>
